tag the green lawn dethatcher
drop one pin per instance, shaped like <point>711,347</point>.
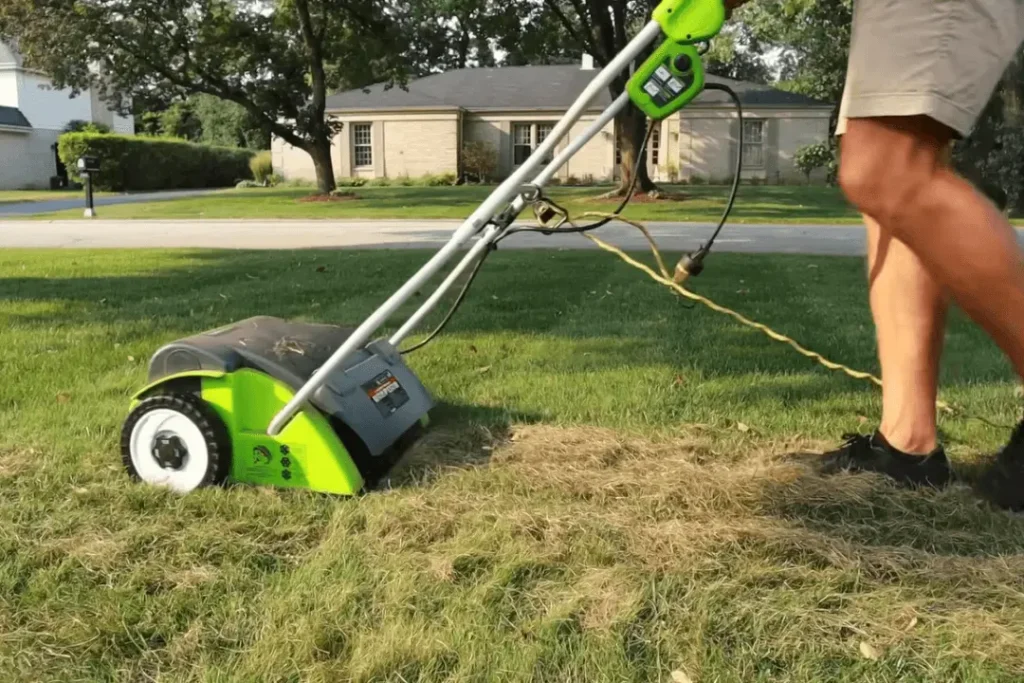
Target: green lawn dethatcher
<point>604,494</point>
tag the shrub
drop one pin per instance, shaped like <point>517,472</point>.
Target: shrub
<point>350,182</point>
<point>480,160</point>
<point>262,167</point>
<point>572,181</point>
<point>129,162</point>
<point>379,182</point>
<point>247,185</point>
<point>404,181</point>
<point>810,158</point>
<point>79,126</point>
<point>444,179</point>
<point>275,179</point>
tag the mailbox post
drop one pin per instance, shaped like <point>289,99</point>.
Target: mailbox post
<point>86,167</point>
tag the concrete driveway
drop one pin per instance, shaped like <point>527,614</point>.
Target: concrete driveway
<point>846,240</point>
<point>49,206</point>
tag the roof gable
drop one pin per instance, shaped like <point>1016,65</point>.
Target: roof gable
<point>11,116</point>
<point>553,87</point>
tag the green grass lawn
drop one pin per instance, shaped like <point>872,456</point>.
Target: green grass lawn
<point>605,494</point>
<point>756,204</point>
<point>23,196</point>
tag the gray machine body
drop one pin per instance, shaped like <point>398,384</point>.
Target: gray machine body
<point>375,393</point>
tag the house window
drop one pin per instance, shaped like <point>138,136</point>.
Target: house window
<point>543,131</point>
<point>362,144</point>
<point>522,142</point>
<point>526,138</point>
<point>753,144</point>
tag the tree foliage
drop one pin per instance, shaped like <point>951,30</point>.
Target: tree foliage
<point>993,155</point>
<point>811,39</point>
<point>738,53</point>
<point>276,59</point>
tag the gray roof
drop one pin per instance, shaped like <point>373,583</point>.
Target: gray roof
<point>9,116</point>
<point>530,88</point>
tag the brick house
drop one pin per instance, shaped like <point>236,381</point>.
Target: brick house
<point>420,130</point>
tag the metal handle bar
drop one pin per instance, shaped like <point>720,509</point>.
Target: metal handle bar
<point>500,197</point>
<point>518,204</point>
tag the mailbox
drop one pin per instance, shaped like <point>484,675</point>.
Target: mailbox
<point>88,164</point>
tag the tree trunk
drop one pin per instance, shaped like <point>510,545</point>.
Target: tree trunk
<point>630,129</point>
<point>320,151</point>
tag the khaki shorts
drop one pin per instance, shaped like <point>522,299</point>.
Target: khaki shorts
<point>938,58</point>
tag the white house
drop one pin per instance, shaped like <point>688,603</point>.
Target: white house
<point>32,116</point>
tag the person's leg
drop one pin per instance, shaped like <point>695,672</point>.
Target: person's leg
<point>892,171</point>
<point>909,310</point>
<point>920,75</point>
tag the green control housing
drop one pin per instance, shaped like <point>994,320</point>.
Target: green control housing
<point>690,21</point>
<point>667,81</point>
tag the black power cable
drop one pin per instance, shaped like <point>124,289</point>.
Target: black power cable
<point>455,306</point>
<point>510,231</point>
<point>604,221</point>
<point>693,264</point>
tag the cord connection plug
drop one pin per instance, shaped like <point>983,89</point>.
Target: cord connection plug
<point>689,266</point>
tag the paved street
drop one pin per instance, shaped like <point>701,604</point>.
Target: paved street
<point>283,234</point>
<point>846,240</point>
<point>26,208</point>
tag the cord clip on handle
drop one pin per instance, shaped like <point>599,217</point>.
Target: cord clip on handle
<point>551,218</point>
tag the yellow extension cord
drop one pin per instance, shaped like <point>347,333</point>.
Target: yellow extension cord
<point>664,278</point>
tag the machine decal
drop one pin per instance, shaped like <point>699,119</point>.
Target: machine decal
<point>386,393</point>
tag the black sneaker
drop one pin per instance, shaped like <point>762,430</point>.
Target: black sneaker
<point>872,453</point>
<point>1003,483</point>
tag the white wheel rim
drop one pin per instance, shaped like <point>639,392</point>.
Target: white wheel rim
<point>166,422</point>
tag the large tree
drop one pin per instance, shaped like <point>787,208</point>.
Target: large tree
<point>277,59</point>
<point>452,34</point>
<point>602,28</point>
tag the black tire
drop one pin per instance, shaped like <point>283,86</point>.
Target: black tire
<point>215,433</point>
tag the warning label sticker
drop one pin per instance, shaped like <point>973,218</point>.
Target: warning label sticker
<point>386,393</point>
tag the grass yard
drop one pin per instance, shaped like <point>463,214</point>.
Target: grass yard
<point>605,495</point>
<point>24,196</point>
<point>756,204</point>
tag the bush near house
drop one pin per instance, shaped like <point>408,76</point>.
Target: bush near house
<point>480,161</point>
<point>820,155</point>
<point>145,163</point>
<point>429,180</point>
<point>262,167</point>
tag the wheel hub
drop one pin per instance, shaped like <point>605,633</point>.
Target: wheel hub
<point>169,451</point>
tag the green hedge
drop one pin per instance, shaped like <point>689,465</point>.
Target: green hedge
<point>129,162</point>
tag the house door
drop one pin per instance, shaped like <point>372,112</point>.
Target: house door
<point>653,156</point>
<point>60,170</point>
